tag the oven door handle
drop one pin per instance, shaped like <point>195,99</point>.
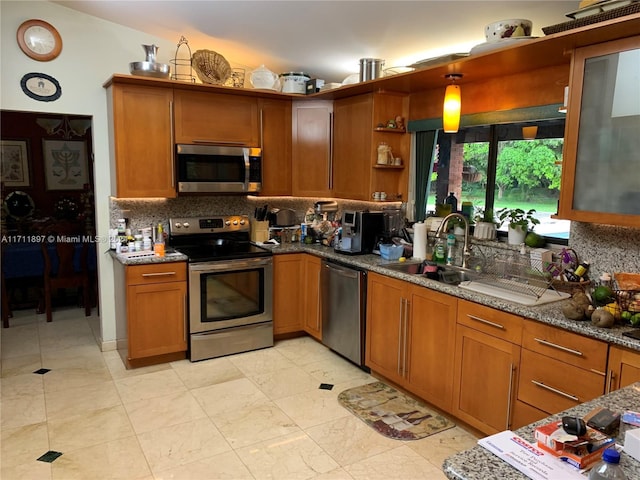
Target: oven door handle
<point>227,265</point>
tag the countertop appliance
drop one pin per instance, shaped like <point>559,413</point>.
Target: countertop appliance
<point>218,169</point>
<point>230,285</point>
<point>284,217</point>
<point>344,300</point>
<point>359,231</point>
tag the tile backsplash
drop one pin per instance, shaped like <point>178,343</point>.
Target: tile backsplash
<point>147,212</point>
<point>607,248</point>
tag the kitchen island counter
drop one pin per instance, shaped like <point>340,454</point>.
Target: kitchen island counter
<point>550,313</point>
<point>480,464</point>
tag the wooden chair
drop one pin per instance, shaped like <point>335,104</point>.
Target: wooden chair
<point>61,271</point>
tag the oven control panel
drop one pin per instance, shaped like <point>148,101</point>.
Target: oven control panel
<point>221,224</point>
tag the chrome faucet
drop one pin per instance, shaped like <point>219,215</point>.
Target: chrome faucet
<point>466,251</point>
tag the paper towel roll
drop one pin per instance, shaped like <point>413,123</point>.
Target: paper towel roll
<point>420,240</point>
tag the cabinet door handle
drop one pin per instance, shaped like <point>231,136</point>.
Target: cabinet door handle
<point>610,381</point>
<point>330,179</point>
<point>559,347</point>
<point>218,142</point>
<point>407,305</point>
<point>510,393</point>
<point>400,317</point>
<point>158,274</point>
<point>261,131</point>
<point>486,322</point>
<point>555,390</point>
<point>318,302</point>
<point>184,309</point>
<point>173,150</point>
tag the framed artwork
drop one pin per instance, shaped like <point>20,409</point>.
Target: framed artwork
<point>65,164</point>
<point>15,163</point>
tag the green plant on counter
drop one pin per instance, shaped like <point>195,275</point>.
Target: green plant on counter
<point>486,216</point>
<point>517,217</point>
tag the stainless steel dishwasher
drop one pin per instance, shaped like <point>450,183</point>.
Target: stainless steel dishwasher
<point>343,310</point>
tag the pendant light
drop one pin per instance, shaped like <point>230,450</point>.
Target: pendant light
<point>451,109</point>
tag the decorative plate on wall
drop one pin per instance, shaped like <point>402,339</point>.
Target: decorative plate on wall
<point>41,87</point>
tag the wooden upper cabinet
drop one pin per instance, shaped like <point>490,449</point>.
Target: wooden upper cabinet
<point>275,119</point>
<point>311,150</point>
<point>352,147</point>
<point>141,141</point>
<point>204,117</point>
<point>356,173</point>
<point>601,165</point>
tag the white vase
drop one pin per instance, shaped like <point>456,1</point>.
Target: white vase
<point>485,231</point>
<point>517,234</point>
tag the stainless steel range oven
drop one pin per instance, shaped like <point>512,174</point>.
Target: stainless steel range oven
<point>230,285</point>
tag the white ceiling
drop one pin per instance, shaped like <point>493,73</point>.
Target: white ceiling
<point>324,38</point>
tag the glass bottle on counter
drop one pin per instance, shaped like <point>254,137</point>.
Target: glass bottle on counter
<point>453,201</point>
<point>158,246</point>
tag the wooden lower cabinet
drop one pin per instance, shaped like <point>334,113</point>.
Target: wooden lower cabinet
<point>487,361</point>
<point>410,337</point>
<point>623,368</point>
<point>431,339</point>
<point>156,299</point>
<point>288,297</point>
<point>559,369</point>
<point>485,379</point>
<point>312,312</point>
<point>386,318</point>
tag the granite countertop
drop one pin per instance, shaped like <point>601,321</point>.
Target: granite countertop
<point>549,313</point>
<point>480,464</point>
<point>170,256</point>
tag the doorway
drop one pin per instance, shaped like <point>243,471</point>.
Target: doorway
<point>47,178</point>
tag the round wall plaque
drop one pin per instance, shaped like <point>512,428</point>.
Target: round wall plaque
<point>41,87</point>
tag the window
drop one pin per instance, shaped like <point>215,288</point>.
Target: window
<point>494,167</point>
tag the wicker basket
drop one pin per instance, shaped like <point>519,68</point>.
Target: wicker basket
<point>591,19</point>
<point>211,67</point>
<point>570,287</point>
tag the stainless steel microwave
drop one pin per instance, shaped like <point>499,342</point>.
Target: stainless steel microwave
<point>218,169</point>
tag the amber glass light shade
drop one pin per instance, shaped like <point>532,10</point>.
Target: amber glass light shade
<point>451,110</point>
<point>529,133</point>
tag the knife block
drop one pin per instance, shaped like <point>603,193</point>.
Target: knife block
<point>259,231</point>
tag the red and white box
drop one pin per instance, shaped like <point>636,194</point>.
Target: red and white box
<point>581,452</point>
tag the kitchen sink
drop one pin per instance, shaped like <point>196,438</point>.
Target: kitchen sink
<point>472,281</point>
<point>445,273</point>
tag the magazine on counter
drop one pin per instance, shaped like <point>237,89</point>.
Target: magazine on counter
<point>528,458</point>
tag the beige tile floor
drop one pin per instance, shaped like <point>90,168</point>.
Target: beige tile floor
<point>257,415</point>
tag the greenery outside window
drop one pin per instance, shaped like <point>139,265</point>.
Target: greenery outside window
<point>494,167</point>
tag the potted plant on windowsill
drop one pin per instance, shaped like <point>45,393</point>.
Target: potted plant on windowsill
<point>519,222</point>
<point>485,228</point>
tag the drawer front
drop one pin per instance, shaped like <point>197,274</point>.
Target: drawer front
<point>491,321</point>
<point>156,273</point>
<point>552,386</point>
<point>565,346</point>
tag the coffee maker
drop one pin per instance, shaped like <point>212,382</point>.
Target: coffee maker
<point>359,231</point>
<point>393,228</point>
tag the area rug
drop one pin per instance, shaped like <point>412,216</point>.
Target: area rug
<point>392,413</point>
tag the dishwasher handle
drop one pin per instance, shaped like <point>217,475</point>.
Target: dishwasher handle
<point>343,271</point>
